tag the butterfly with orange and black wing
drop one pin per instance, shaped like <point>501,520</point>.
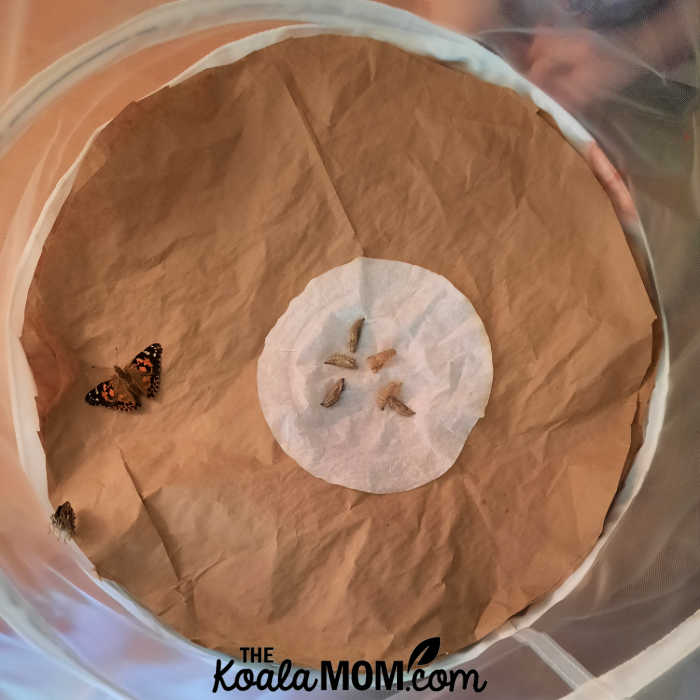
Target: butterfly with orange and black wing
<point>124,390</point>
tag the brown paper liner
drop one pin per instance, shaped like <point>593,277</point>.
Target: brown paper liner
<point>200,213</point>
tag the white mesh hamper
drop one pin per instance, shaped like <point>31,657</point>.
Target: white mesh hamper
<point>626,624</point>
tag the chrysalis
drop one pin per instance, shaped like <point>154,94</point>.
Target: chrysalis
<point>376,362</point>
<point>340,360</point>
<point>391,389</point>
<point>354,337</point>
<point>399,406</point>
<point>333,394</point>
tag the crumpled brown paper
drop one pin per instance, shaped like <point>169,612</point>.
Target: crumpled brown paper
<point>199,213</point>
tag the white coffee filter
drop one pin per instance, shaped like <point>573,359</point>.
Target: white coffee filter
<point>443,360</point>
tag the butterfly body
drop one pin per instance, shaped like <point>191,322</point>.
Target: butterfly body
<point>133,383</point>
<point>124,390</point>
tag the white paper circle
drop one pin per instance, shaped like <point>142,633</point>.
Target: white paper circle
<point>443,359</point>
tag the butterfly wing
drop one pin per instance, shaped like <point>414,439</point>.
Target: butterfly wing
<point>64,517</point>
<point>112,394</point>
<point>145,369</point>
<point>63,521</point>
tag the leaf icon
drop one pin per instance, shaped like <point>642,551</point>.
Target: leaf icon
<point>427,650</point>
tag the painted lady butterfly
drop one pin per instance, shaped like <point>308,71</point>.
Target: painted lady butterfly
<point>123,391</point>
<point>63,520</point>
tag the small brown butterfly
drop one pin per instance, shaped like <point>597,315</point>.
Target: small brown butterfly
<point>124,390</point>
<point>63,521</point>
